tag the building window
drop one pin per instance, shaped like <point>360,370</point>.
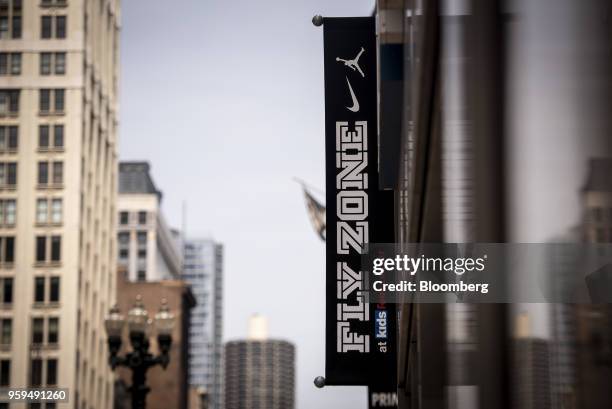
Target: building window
<point>46,142</point>
<point>7,250</point>
<point>45,63</point>
<point>53,331</point>
<point>43,173</point>
<point>10,19</point>
<point>36,372</point>
<point>46,28</point>
<point>8,208</point>
<point>58,173</point>
<point>142,275</point>
<point>39,290</point>
<point>42,210</point>
<point>53,63</point>
<point>124,218</point>
<point>56,211</point>
<point>141,238</point>
<point>41,249</point>
<point>46,3</point>
<point>59,100</point>
<point>40,294</point>
<point>60,26</point>
<point>10,64</point>
<point>15,64</point>
<point>4,27</point>
<point>124,255</point>
<point>123,241</point>
<point>56,248</point>
<point>16,26</point>
<point>9,138</point>
<point>6,331</point>
<point>54,293</point>
<point>58,136</point>
<point>38,329</point>
<point>60,63</point>
<point>51,101</point>
<point>44,100</point>
<point>57,176</point>
<point>9,101</point>
<point>142,217</point>
<point>124,238</point>
<point>52,27</point>
<point>8,174</point>
<point>6,286</point>
<point>10,211</point>
<point>5,372</point>
<point>11,173</point>
<point>43,137</point>
<point>51,372</point>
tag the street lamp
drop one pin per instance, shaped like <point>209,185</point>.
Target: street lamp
<point>164,323</point>
<point>139,360</point>
<point>114,324</point>
<point>203,394</point>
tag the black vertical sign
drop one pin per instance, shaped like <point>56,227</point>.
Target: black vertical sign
<point>360,337</point>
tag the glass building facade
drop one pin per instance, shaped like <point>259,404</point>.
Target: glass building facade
<point>203,269</point>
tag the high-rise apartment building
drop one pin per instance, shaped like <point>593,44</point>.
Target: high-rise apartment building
<point>147,247</point>
<point>203,269</point>
<point>58,148</point>
<point>259,372</point>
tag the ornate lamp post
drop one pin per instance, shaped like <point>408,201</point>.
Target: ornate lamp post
<point>139,360</point>
<point>203,394</point>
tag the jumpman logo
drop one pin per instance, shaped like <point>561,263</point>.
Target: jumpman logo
<point>353,64</point>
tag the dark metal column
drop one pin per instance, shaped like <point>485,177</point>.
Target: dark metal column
<point>487,98</point>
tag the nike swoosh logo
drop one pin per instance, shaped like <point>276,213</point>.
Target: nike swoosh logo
<point>355,106</point>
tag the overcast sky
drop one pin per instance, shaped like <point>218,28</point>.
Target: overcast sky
<point>225,100</point>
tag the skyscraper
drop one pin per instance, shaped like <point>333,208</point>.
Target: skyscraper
<point>147,247</point>
<point>59,72</point>
<point>203,269</point>
<point>259,372</point>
